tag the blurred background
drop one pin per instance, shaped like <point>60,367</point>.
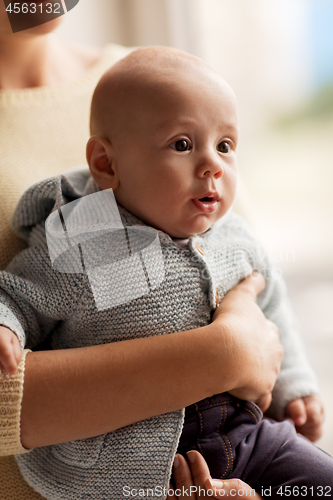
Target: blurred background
<point>278,57</point>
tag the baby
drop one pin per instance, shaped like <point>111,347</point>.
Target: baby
<point>164,134</point>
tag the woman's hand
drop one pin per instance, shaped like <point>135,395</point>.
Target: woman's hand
<point>252,341</point>
<point>239,352</point>
<point>194,481</point>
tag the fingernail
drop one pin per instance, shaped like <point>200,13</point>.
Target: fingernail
<point>191,456</point>
<point>256,275</point>
<point>215,483</point>
<point>176,461</point>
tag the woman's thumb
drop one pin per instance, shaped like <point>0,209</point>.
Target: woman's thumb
<point>254,283</point>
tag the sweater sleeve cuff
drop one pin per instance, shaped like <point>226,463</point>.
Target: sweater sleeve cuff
<point>11,392</point>
<point>291,385</point>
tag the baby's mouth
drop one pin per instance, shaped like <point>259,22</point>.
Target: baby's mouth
<point>207,198</point>
<point>207,204</point>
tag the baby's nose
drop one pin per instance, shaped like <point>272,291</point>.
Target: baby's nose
<point>210,165</point>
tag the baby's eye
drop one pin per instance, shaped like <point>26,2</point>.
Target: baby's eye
<point>224,147</point>
<point>181,145</point>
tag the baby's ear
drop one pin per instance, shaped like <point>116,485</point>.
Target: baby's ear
<point>101,162</point>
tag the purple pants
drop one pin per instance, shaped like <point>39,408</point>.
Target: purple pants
<point>269,456</point>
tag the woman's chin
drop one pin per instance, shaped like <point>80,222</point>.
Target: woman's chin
<point>45,28</point>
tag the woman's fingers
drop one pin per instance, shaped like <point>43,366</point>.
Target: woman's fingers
<point>171,495</point>
<point>183,480</point>
<point>253,284</point>
<point>190,477</point>
<point>250,287</point>
<point>198,468</point>
<point>264,402</point>
<point>193,481</point>
<point>253,340</point>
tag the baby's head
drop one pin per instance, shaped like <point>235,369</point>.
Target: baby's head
<point>164,131</point>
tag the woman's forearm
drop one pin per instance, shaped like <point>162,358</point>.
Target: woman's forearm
<point>78,393</point>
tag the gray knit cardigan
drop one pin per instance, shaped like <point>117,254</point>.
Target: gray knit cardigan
<point>37,300</point>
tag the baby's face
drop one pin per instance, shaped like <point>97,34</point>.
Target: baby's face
<point>176,158</point>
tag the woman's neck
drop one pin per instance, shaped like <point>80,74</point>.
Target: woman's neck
<point>41,60</point>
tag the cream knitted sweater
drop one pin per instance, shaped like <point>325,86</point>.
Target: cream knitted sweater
<point>43,131</point>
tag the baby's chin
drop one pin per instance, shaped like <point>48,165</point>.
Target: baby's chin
<point>184,233</point>
<point>178,229</point>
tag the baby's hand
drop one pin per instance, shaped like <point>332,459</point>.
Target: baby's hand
<point>10,351</point>
<point>308,416</point>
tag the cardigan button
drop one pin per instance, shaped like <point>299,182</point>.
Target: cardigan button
<point>198,247</point>
<point>217,298</point>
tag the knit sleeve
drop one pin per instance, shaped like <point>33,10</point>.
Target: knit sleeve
<point>30,306</point>
<point>296,378</point>
<point>34,297</point>
<point>11,391</point>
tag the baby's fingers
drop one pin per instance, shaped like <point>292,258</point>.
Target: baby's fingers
<point>8,362</point>
<point>314,408</point>
<point>309,411</point>
<point>315,417</point>
<point>10,352</point>
<point>296,411</point>
<point>17,350</point>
